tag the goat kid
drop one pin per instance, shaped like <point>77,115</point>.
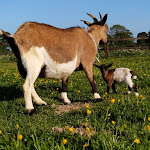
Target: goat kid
<point>118,75</point>
<point>50,52</point>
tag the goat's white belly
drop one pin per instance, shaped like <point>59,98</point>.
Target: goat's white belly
<point>38,57</point>
<point>56,70</point>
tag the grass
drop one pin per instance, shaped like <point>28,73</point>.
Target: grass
<point>129,131</point>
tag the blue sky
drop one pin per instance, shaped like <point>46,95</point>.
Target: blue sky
<point>133,14</point>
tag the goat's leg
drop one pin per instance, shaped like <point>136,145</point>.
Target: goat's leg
<point>107,89</point>
<point>109,85</point>
<point>28,86</point>
<point>113,88</point>
<point>129,90</point>
<point>27,95</point>
<point>64,91</point>
<point>36,97</point>
<point>89,72</point>
<point>131,85</point>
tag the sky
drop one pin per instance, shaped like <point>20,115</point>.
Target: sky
<point>133,14</point>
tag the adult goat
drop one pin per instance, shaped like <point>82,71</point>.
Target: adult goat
<point>50,52</point>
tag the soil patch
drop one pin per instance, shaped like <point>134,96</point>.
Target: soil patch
<point>67,108</point>
<point>82,130</point>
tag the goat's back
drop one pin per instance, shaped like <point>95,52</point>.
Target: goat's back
<point>58,42</point>
<point>121,73</point>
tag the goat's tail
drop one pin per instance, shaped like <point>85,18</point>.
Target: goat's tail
<point>133,74</point>
<point>2,33</point>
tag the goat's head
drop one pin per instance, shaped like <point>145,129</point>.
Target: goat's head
<point>99,26</point>
<point>104,68</point>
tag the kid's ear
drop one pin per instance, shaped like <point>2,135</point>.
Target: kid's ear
<point>109,65</point>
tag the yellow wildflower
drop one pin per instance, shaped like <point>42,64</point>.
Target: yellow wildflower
<point>87,106</point>
<point>89,112</point>
<point>118,100</point>
<point>148,127</point>
<point>79,91</point>
<point>137,141</point>
<point>85,124</point>
<point>103,96</point>
<point>86,145</point>
<point>141,96</point>
<point>88,130</point>
<point>64,141</point>
<point>71,129</point>
<point>0,132</point>
<point>106,93</point>
<point>148,118</point>
<point>113,122</point>
<point>17,125</point>
<point>20,137</point>
<point>112,100</point>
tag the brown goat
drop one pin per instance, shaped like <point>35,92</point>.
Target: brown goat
<point>112,76</point>
<point>50,52</point>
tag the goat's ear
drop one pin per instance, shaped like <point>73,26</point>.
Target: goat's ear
<point>109,65</point>
<point>96,66</point>
<point>102,22</point>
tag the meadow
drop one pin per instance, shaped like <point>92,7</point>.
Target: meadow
<point>121,122</point>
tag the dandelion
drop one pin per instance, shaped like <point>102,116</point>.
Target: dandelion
<point>20,137</point>
<point>71,130</point>
<point>103,96</point>
<point>64,141</point>
<point>148,127</point>
<point>88,130</point>
<point>79,91</point>
<point>87,106</point>
<point>137,141</point>
<point>85,124</point>
<point>86,145</point>
<point>148,118</point>
<point>113,122</point>
<point>89,112</point>
<point>118,100</point>
<point>0,132</point>
<point>106,93</point>
<point>17,125</point>
<point>112,100</point>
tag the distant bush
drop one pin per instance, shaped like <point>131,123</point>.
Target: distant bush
<point>7,58</point>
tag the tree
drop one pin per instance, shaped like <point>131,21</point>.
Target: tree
<point>4,47</point>
<point>117,32</point>
<point>143,42</point>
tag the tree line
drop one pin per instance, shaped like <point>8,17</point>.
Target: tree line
<point>115,32</point>
<point>119,31</point>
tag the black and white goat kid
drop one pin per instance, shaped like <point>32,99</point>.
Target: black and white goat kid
<point>118,75</point>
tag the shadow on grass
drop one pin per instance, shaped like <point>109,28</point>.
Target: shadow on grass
<point>10,93</point>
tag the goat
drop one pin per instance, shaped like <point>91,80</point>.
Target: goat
<point>50,52</point>
<point>118,75</point>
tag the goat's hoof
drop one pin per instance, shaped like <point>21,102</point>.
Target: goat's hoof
<point>31,112</point>
<point>43,104</point>
<point>66,103</point>
<point>98,100</point>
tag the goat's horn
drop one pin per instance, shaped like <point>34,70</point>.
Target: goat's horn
<point>86,22</point>
<point>100,16</point>
<point>94,18</point>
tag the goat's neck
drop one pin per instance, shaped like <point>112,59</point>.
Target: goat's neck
<point>95,35</point>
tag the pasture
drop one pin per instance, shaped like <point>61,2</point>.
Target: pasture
<point>121,122</point>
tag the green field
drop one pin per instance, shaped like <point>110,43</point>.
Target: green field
<point>123,125</point>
